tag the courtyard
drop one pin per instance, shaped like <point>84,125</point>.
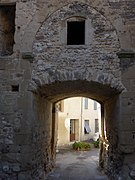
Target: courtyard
<point>76,165</point>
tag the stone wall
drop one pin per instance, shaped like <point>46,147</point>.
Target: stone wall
<point>127,121</point>
<point>97,57</point>
<point>41,70</point>
<point>15,110</point>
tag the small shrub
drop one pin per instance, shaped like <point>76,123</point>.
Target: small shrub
<point>96,144</point>
<point>81,146</point>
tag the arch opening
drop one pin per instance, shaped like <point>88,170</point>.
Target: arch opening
<point>79,128</point>
<point>46,98</point>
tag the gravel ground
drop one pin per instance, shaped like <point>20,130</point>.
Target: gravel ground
<point>76,165</point>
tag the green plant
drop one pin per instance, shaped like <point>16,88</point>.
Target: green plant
<point>81,146</point>
<point>96,144</point>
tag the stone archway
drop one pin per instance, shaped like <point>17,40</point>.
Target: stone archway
<point>61,71</point>
<point>45,99</point>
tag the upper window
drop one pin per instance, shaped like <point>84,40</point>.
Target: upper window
<point>76,32</point>
<point>95,105</point>
<point>85,103</point>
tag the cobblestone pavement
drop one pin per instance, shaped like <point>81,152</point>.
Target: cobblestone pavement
<point>76,165</point>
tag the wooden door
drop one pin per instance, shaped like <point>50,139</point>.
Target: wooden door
<point>72,129</point>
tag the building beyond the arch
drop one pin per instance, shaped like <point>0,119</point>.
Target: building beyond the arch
<point>79,119</point>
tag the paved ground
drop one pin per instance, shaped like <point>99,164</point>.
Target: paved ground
<point>77,165</point>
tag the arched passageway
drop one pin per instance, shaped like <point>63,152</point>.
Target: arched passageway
<point>79,128</point>
<point>63,68</point>
<point>46,125</point>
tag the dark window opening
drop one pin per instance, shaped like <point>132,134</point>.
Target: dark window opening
<point>96,125</point>
<point>76,32</point>
<point>15,88</point>
<point>7,29</point>
<point>87,129</point>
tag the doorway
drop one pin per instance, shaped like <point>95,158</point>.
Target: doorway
<point>74,130</point>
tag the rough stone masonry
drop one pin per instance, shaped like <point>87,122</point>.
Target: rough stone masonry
<point>39,67</point>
